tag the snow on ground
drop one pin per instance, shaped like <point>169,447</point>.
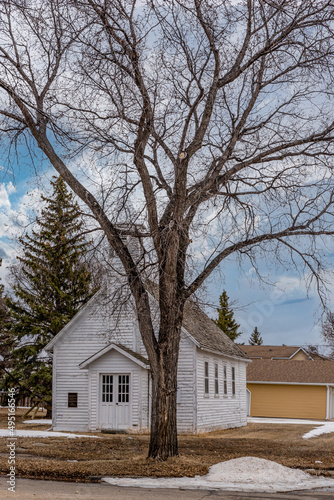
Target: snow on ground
<point>40,434</point>
<point>324,429</point>
<point>42,421</point>
<point>239,474</point>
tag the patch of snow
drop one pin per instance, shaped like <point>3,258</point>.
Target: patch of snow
<point>42,421</point>
<point>325,426</point>
<point>324,429</point>
<point>262,420</point>
<point>239,474</point>
<point>249,469</point>
<point>41,434</point>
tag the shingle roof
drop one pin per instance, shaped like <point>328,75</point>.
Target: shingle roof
<point>202,328</point>
<point>277,370</point>
<point>275,351</point>
<point>269,351</point>
<point>133,353</point>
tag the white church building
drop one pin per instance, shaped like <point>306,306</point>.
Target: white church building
<point>101,374</point>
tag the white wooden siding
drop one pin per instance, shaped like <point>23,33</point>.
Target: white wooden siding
<point>186,387</point>
<point>96,329</point>
<point>219,412</point>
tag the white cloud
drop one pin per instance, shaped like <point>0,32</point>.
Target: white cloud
<point>4,197</point>
<point>11,188</point>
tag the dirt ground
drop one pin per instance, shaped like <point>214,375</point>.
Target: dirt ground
<point>125,455</point>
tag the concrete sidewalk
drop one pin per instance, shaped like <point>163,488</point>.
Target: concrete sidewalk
<point>32,489</point>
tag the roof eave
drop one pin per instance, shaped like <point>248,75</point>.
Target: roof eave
<point>290,383</point>
<point>105,350</point>
<point>220,353</point>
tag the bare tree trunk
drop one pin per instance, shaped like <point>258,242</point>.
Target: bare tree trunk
<point>163,442</point>
<point>48,411</point>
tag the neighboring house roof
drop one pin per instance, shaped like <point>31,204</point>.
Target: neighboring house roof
<point>202,329</point>
<point>276,351</point>
<point>137,358</point>
<point>289,371</point>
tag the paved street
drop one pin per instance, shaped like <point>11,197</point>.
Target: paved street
<point>28,489</point>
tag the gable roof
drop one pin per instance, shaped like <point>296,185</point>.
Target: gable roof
<point>137,358</point>
<point>289,371</point>
<point>81,313</point>
<point>201,329</point>
<point>205,333</point>
<point>276,351</point>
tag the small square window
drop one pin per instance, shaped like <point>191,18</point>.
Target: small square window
<point>72,401</point>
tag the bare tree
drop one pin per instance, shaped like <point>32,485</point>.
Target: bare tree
<point>209,122</point>
<point>327,332</point>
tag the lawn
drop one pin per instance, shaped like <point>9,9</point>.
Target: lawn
<point>125,455</point>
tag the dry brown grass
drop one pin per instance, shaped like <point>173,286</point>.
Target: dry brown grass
<point>125,455</point>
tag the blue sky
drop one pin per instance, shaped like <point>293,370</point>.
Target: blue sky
<point>284,314</point>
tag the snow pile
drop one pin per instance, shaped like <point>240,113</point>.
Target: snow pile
<point>324,429</point>
<point>252,469</point>
<point>41,434</point>
<point>239,474</point>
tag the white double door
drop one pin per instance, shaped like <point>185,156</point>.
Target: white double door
<point>115,410</point>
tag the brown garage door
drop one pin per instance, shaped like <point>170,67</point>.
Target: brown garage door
<point>288,401</point>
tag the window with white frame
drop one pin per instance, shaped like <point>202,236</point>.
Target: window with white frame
<point>206,377</point>
<point>216,380</point>
<point>233,381</point>
<point>225,380</point>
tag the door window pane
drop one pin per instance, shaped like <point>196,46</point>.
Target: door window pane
<point>107,388</point>
<point>123,388</point>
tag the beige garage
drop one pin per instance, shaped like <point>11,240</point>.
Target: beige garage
<point>287,400</point>
<point>299,385</point>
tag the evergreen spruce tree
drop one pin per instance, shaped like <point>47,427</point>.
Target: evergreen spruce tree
<point>255,338</point>
<point>226,321</point>
<point>50,284</point>
<point>5,344</point>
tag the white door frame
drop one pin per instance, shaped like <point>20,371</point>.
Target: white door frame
<point>116,404</point>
